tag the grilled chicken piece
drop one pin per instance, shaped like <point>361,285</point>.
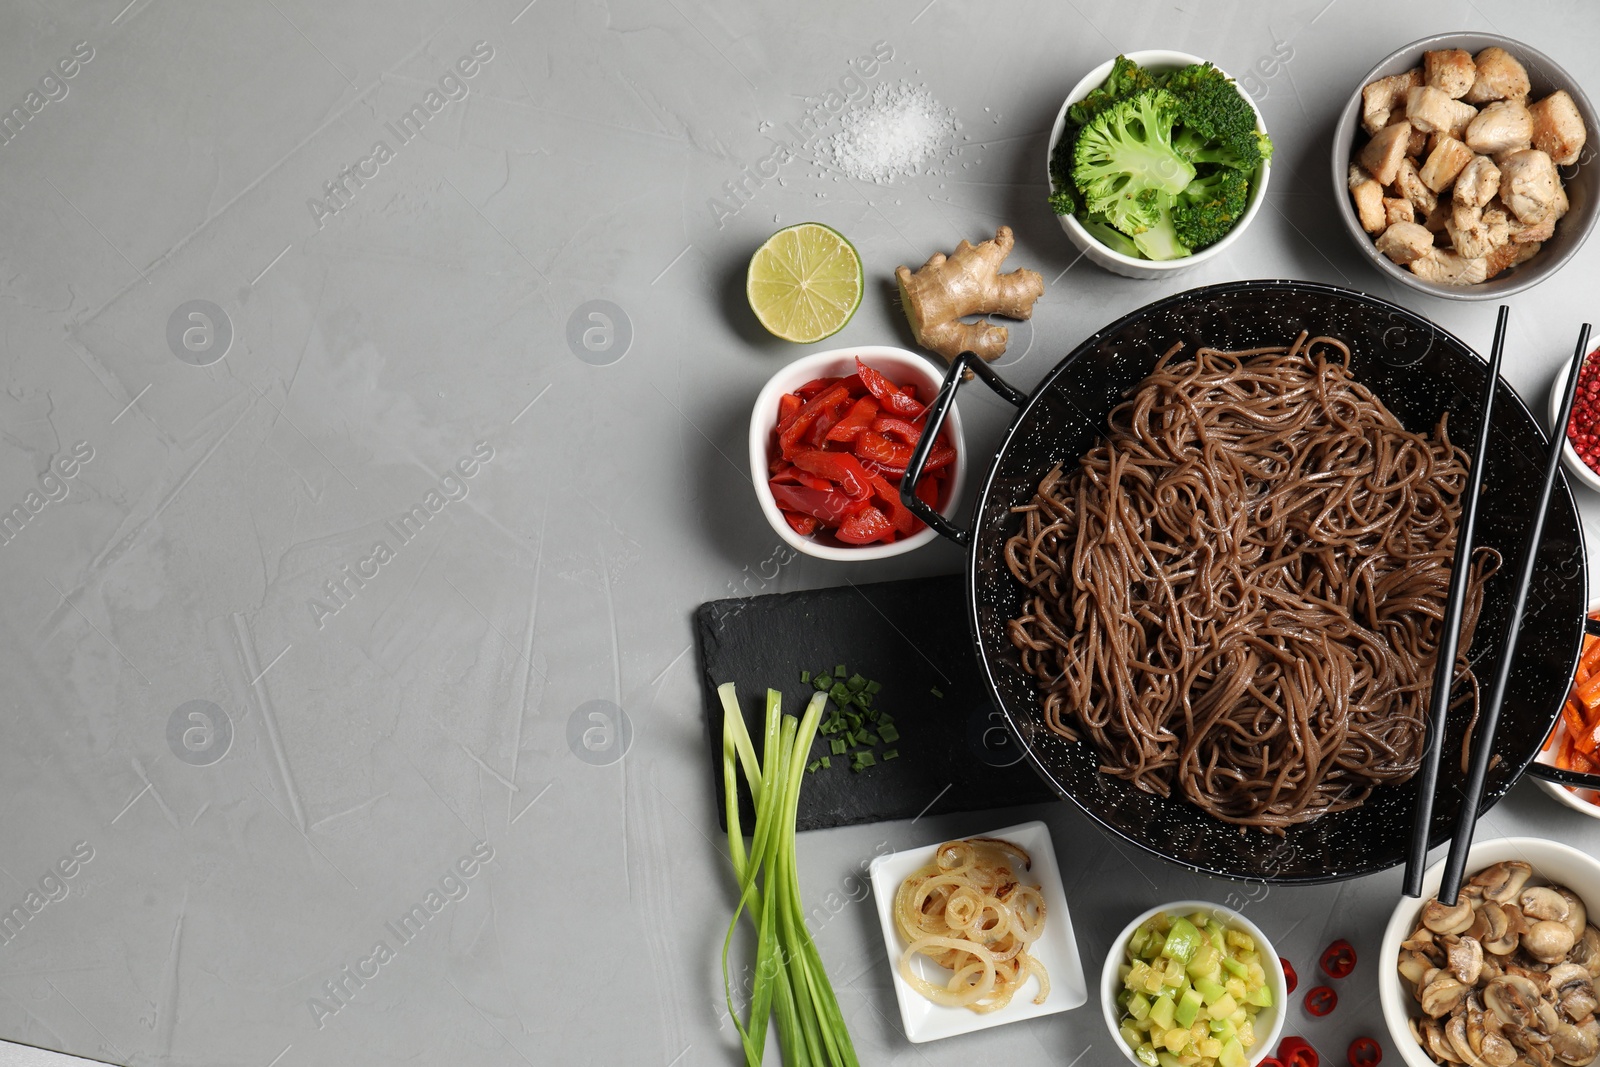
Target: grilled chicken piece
<point>1530,186</point>
<point>1450,70</point>
<point>1381,156</point>
<point>1409,184</point>
<point>1397,209</point>
<point>1476,232</point>
<point>1381,98</point>
<point>1446,160</point>
<point>1499,77</point>
<point>1405,242</point>
<point>1504,126</point>
<point>1558,128</point>
<point>1368,197</point>
<point>1477,183</point>
<point>1509,255</point>
<point>1434,111</point>
<point>1447,268</point>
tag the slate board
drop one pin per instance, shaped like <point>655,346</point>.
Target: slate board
<point>956,754</point>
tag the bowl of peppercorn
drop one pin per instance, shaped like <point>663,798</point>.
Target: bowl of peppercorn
<point>1582,448</point>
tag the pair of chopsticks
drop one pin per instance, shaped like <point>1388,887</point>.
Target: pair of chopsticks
<point>1444,670</point>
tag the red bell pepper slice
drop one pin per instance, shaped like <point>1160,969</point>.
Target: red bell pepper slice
<point>928,490</point>
<point>1339,959</point>
<point>888,394</point>
<point>814,386</point>
<point>866,526</point>
<point>829,505</point>
<point>857,422</point>
<point>879,449</point>
<point>789,406</point>
<point>804,525</point>
<point>789,437</point>
<point>789,474</point>
<point>1365,1052</point>
<point>840,468</point>
<point>1321,1000</point>
<point>890,426</point>
<point>902,518</point>
<point>1297,1052</point>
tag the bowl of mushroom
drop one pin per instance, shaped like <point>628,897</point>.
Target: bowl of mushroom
<point>1505,976</point>
<point>1460,167</point>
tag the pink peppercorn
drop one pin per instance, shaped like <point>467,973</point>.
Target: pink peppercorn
<point>1583,431</point>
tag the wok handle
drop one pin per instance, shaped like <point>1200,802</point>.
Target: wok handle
<point>964,363</point>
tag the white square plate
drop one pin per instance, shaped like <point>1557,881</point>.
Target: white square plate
<point>1057,948</point>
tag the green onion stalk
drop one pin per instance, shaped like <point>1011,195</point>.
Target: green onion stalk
<point>790,982</point>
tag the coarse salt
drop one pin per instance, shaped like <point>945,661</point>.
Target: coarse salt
<point>891,133</point>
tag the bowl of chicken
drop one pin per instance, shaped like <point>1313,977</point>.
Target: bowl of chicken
<point>1507,975</point>
<point>1463,168</point>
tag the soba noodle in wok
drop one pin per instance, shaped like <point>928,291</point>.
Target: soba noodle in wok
<point>1236,593</point>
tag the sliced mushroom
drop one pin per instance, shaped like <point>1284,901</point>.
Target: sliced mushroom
<point>1542,902</point>
<point>1514,1001</point>
<point>1577,1045</point>
<point>1456,1031</point>
<point>1491,928</point>
<point>1447,920</point>
<point>1437,1045</point>
<point>1548,941</point>
<point>1586,953</point>
<point>1503,881</point>
<point>1498,1051</point>
<point>1466,960</point>
<point>1577,917</point>
<point>1443,995</point>
<point>1573,989</point>
<point>1414,966</point>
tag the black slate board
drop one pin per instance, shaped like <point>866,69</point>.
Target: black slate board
<point>911,636</point>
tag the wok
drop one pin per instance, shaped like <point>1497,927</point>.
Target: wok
<point>1419,371</point>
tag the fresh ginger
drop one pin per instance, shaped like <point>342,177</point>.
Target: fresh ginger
<point>967,282</point>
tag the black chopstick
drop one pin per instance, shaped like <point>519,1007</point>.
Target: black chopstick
<point>1483,745</point>
<point>1444,668</point>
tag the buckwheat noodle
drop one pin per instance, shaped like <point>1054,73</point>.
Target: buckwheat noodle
<point>1236,592</point>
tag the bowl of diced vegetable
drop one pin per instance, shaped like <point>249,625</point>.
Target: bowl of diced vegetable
<point>830,436</point>
<point>1157,162</point>
<point>1193,984</point>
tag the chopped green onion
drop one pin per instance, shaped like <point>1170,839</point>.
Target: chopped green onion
<point>935,692</point>
<point>891,753</point>
<point>839,671</point>
<point>822,682</point>
<point>826,762</point>
<point>838,746</point>
<point>856,683</point>
<point>811,768</point>
<point>874,687</point>
<point>888,732</point>
<point>839,693</point>
<point>805,676</point>
<point>865,759</point>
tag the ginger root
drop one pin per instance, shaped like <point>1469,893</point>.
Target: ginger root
<point>967,282</point>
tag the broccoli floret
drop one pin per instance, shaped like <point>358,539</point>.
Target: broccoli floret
<point>1064,196</point>
<point>1124,160</point>
<point>1161,240</point>
<point>1109,235</point>
<point>1217,123</point>
<point>1126,79</point>
<point>1209,206</point>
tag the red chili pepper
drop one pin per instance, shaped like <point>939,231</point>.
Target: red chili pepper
<point>1290,979</point>
<point>1339,959</point>
<point>840,468</point>
<point>866,526</point>
<point>857,422</point>
<point>1321,1000</point>
<point>1297,1052</point>
<point>829,505</point>
<point>1270,1061</point>
<point>888,394</point>
<point>1365,1052</point>
<point>804,525</point>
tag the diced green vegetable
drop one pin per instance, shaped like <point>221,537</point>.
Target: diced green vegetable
<point>856,683</point>
<point>1235,967</point>
<point>891,753</point>
<point>805,676</point>
<point>935,691</point>
<point>822,681</point>
<point>826,762</point>
<point>839,671</point>
<point>888,732</point>
<point>874,687</point>
<point>837,746</point>
<point>1161,1012</point>
<point>1183,940</point>
<point>811,768</point>
<point>1188,1007</point>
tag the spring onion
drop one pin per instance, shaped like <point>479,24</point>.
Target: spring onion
<point>790,981</point>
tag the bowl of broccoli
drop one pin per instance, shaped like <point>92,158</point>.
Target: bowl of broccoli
<point>1157,162</point>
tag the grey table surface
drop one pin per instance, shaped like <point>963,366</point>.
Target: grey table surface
<point>251,779</point>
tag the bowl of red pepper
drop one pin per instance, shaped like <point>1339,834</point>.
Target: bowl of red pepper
<point>830,437</point>
<point>1582,450</point>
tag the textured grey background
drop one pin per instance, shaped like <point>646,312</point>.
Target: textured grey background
<point>372,747</point>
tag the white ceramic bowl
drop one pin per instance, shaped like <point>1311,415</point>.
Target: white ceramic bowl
<point>1576,467</point>
<point>1116,262</point>
<point>1268,1021</point>
<point>1564,795</point>
<point>900,367</point>
<point>1551,862</point>
<point>1546,76</point>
